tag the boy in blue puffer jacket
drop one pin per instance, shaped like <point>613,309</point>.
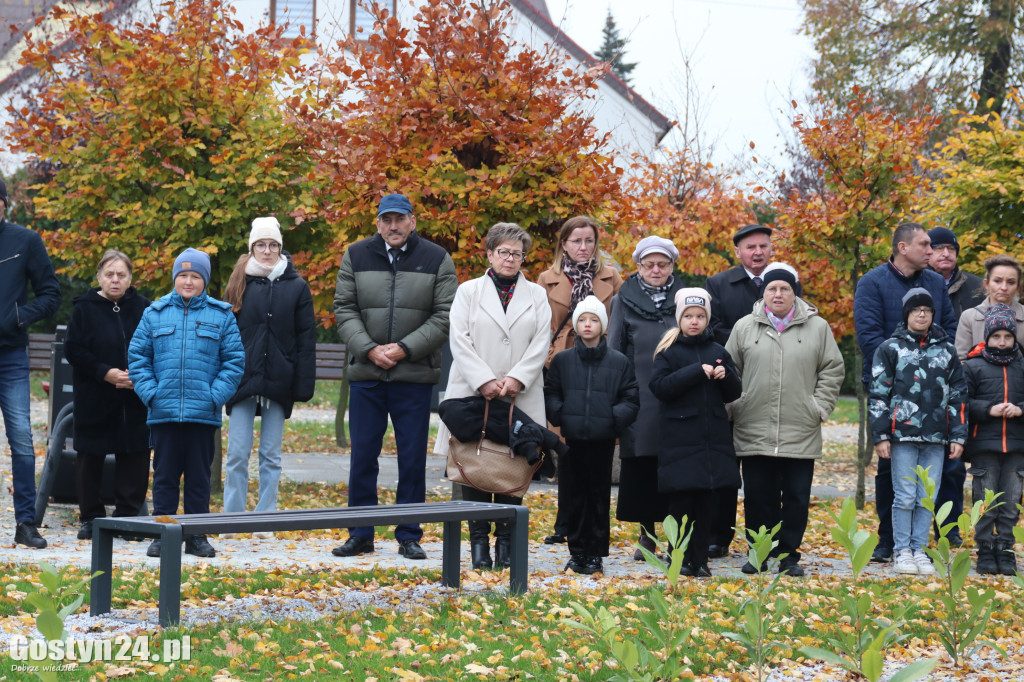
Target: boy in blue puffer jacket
<point>186,360</point>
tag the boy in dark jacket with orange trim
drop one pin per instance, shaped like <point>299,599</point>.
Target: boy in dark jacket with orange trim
<point>995,387</point>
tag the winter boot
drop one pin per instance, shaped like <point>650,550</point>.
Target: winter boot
<point>503,543</point>
<point>987,559</point>
<point>1005,558</point>
<point>480,543</point>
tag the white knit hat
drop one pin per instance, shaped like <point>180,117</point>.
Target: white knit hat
<point>689,297</point>
<point>265,228</point>
<point>591,304</point>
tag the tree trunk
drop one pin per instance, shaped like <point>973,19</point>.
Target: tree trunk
<point>995,52</point>
<point>217,466</point>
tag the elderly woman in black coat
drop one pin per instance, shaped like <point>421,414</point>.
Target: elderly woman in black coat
<point>274,310</point>
<point>109,417</point>
<point>642,311</point>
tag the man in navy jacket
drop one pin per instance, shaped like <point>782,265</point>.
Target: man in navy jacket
<point>23,259</point>
<point>877,310</point>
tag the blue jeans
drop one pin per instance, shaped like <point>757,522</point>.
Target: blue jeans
<point>910,520</point>
<point>369,406</point>
<point>14,403</point>
<point>240,435</point>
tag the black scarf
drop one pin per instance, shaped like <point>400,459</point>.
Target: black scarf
<point>999,356</point>
<point>506,286</point>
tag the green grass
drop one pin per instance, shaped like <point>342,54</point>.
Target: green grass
<point>846,410</point>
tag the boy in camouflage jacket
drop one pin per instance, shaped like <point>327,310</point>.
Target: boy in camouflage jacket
<point>916,406</point>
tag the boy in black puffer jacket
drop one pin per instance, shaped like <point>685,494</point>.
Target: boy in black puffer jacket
<point>995,387</point>
<point>591,394</point>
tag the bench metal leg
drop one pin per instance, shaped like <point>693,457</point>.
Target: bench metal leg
<point>170,575</point>
<point>520,551</point>
<point>102,560</point>
<point>452,544</point>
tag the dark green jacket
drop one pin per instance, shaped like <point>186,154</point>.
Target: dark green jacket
<point>375,304</point>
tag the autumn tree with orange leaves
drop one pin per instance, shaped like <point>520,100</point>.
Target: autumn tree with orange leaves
<point>865,159</point>
<point>161,134</point>
<point>474,128</point>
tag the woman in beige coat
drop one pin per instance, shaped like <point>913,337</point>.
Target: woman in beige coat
<point>499,340</point>
<point>579,270</point>
<point>792,370</point>
<point>1002,285</point>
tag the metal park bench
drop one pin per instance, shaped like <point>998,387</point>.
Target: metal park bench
<point>171,535</point>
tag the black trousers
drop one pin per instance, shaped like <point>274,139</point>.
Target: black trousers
<point>951,489</point>
<point>884,497</point>
<point>478,529</point>
<point>182,448</point>
<point>585,482</point>
<point>131,480</point>
<point>698,507</point>
<point>723,515</point>
<point>778,490</point>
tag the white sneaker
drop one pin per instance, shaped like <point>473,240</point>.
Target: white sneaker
<point>924,563</point>
<point>905,563</point>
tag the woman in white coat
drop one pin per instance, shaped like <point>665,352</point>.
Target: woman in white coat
<point>500,332</point>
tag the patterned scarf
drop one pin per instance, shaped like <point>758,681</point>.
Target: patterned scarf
<point>657,294</point>
<point>506,286</point>
<point>780,323</point>
<point>582,277</point>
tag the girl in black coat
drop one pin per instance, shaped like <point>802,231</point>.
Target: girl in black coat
<point>693,377</point>
<point>591,395</point>
<point>274,309</point>
<point>109,418</point>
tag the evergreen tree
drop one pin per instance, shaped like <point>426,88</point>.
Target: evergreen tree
<point>613,48</point>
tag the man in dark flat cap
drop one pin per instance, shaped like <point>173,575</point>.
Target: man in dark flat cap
<point>733,294</point>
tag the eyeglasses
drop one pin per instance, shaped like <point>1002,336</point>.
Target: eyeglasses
<point>580,242</point>
<point>923,310</point>
<point>655,265</point>
<point>514,256</point>
<point>272,247</point>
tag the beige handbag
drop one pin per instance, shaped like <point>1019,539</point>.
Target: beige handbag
<point>488,466</point>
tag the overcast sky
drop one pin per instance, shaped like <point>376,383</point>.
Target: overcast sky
<point>747,61</point>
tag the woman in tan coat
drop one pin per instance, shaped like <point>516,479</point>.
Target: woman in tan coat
<point>578,271</point>
<point>499,340</point>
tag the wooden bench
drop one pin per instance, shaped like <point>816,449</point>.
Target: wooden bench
<point>171,534</point>
<point>330,357</point>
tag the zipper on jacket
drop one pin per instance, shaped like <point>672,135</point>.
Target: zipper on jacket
<point>181,371</point>
<point>586,408</point>
<point>778,416</point>
<point>1006,399</point>
<point>124,358</point>
<point>17,255</point>
<point>391,309</point>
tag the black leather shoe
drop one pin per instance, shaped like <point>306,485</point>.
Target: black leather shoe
<point>594,564</point>
<point>881,555</point>
<point>687,570</point>
<point>198,545</point>
<point>85,531</point>
<point>27,534</point>
<point>749,569</point>
<point>154,548</point>
<point>791,568</point>
<point>555,539</point>
<point>411,549</point>
<point>577,564</point>
<point>354,547</point>
<point>481,552</point>
<point>718,551</point>
<point>704,572</point>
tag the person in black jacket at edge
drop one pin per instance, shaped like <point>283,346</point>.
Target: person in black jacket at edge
<point>23,259</point>
<point>109,416</point>
<point>591,395</point>
<point>734,292</point>
<point>274,310</point>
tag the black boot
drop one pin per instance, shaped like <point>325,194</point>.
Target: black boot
<point>987,564</point>
<point>1006,560</point>
<point>479,543</point>
<point>502,543</point>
